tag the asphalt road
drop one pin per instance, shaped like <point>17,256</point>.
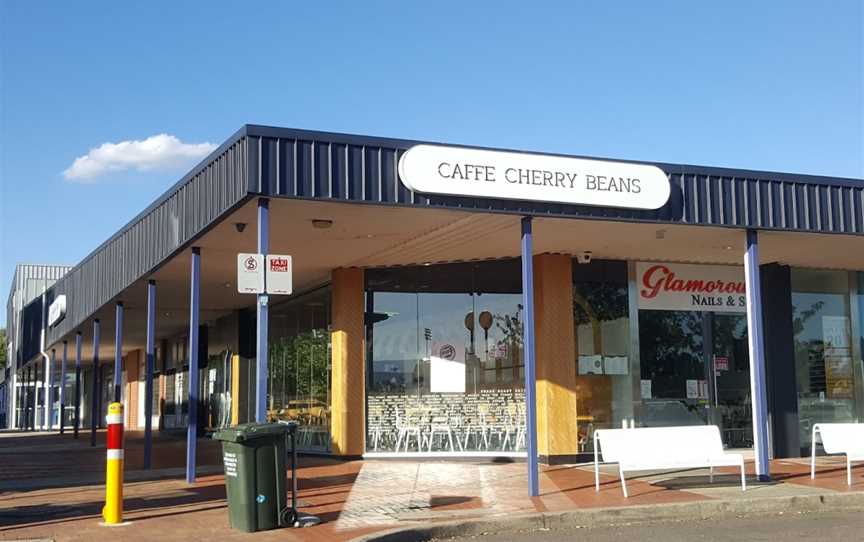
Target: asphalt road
<point>786,528</point>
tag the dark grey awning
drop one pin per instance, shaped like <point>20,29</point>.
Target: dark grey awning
<point>279,162</point>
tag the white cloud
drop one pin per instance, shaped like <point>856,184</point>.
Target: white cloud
<point>161,151</point>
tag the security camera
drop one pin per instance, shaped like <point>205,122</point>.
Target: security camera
<point>584,257</point>
<point>240,226</point>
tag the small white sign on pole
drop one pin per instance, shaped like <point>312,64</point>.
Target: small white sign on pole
<point>250,273</point>
<point>279,280</point>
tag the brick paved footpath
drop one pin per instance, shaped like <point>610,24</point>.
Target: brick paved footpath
<point>51,487</point>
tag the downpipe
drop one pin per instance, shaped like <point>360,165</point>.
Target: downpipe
<point>46,410</point>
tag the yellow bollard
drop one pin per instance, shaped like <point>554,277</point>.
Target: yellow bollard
<point>112,512</point>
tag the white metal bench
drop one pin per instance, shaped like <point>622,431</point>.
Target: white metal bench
<point>661,448</point>
<point>839,438</point>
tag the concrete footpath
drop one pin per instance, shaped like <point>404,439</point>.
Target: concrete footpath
<point>51,488</point>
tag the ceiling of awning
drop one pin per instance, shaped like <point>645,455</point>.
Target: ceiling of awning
<point>366,235</point>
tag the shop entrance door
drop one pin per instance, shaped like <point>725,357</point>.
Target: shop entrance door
<point>696,370</point>
<point>728,370</point>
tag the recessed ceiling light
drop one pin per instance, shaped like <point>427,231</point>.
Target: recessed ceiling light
<point>321,223</point>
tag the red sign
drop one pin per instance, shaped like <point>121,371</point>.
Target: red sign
<point>279,274</point>
<point>660,277</point>
<point>691,287</point>
<point>721,363</point>
<point>279,265</point>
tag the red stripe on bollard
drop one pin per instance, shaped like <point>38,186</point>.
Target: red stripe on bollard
<point>115,437</point>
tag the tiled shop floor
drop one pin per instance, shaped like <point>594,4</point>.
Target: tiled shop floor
<point>50,487</point>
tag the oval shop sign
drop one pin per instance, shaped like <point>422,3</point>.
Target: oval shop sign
<point>458,171</point>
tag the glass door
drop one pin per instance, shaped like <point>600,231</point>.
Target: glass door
<point>674,382</point>
<point>730,390</point>
<point>696,370</point>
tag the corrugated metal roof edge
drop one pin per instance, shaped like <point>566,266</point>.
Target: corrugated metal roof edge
<point>19,266</point>
<point>257,130</point>
<point>235,137</point>
<point>177,250</point>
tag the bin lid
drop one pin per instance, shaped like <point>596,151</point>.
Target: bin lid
<point>250,431</point>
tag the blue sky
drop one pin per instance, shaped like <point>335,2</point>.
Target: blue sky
<point>761,85</point>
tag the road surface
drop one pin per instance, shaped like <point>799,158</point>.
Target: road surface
<point>772,528</point>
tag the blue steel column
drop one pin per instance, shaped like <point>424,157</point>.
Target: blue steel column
<point>94,401</point>
<point>262,343</point>
<point>30,421</point>
<point>192,426</point>
<point>77,384</point>
<point>63,386</point>
<point>26,402</point>
<point>48,389</point>
<point>118,351</point>
<point>148,376</point>
<point>757,356</point>
<point>34,383</point>
<point>528,354</point>
<point>46,373</point>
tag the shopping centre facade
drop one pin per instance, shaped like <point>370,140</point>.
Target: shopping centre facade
<point>409,328</point>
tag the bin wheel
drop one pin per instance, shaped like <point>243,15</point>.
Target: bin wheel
<point>289,517</point>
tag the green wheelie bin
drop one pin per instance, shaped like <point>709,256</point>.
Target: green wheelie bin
<point>255,477</point>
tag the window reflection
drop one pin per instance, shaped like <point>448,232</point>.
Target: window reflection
<point>299,368</point>
<point>604,388</point>
<point>445,367</point>
<point>829,378</point>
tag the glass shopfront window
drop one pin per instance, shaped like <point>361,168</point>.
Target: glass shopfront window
<point>682,361</point>
<point>215,376</point>
<point>299,382</point>
<point>827,359</point>
<point>859,321</point>
<point>694,358</point>
<point>176,406</point>
<point>445,369</point>
<point>604,378</point>
<point>696,370</point>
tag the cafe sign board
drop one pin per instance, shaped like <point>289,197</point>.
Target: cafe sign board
<point>460,171</point>
<point>686,287</point>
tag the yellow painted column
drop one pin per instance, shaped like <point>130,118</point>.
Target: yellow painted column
<point>348,360</point>
<point>557,435</point>
<point>132,363</point>
<point>159,409</point>
<point>235,389</point>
